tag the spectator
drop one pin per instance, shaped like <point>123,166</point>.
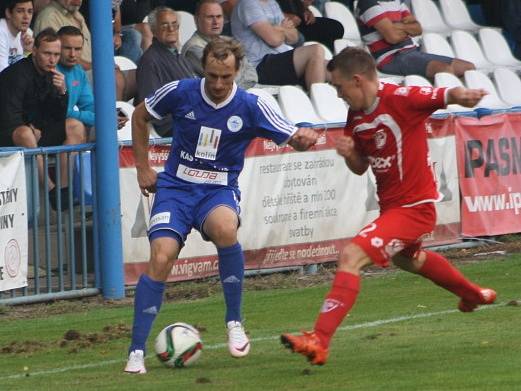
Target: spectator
<point>133,28</point>
<point>228,6</point>
<point>209,20</point>
<point>511,18</point>
<point>386,27</point>
<point>33,106</point>
<point>161,63</point>
<point>80,108</point>
<point>323,30</point>
<point>15,35</point>
<point>266,36</point>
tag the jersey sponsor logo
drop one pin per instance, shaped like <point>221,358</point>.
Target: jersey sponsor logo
<point>195,175</point>
<point>394,247</point>
<point>186,156</point>
<point>380,137</point>
<point>208,143</point>
<point>159,218</point>
<point>330,305</point>
<point>190,115</point>
<point>380,163</point>
<point>234,123</point>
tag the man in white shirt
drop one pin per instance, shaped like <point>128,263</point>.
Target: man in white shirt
<point>16,38</point>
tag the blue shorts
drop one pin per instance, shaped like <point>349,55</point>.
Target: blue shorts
<point>180,206</point>
<point>412,62</point>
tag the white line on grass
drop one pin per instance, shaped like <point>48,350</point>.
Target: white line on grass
<point>364,325</point>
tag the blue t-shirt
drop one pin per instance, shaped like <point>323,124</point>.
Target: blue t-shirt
<point>210,140</point>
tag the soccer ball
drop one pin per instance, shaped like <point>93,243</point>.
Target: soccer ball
<point>178,345</point>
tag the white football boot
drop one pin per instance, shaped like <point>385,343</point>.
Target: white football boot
<point>238,341</point>
<point>136,362</point>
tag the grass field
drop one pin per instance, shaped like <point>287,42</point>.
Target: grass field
<point>403,334</point>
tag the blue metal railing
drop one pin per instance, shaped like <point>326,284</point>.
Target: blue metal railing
<point>63,244</point>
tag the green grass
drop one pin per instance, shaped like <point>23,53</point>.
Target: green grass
<point>440,351</point>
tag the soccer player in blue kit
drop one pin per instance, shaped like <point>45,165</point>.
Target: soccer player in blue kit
<point>213,123</point>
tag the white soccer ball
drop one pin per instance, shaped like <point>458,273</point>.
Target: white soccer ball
<point>178,345</point>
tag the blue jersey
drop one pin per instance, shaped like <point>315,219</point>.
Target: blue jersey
<point>210,140</point>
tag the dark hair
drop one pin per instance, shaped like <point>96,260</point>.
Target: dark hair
<point>10,4</point>
<point>353,60</point>
<point>46,35</point>
<point>221,47</point>
<point>70,30</point>
<point>200,4</point>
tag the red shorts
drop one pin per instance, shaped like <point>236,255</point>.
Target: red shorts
<point>397,230</point>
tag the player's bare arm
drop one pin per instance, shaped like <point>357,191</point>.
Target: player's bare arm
<point>345,146</point>
<point>146,175</point>
<point>303,139</point>
<point>465,96</point>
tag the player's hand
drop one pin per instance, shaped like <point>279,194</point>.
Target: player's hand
<point>147,178</point>
<point>345,146</point>
<point>58,80</point>
<point>287,23</point>
<point>465,96</point>
<point>27,41</point>
<point>409,19</point>
<point>303,139</point>
<point>309,18</point>
<point>36,132</point>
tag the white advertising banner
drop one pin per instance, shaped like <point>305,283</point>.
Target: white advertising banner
<point>296,207</point>
<point>13,222</point>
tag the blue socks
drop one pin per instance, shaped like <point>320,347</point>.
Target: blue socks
<point>147,302</point>
<point>231,271</point>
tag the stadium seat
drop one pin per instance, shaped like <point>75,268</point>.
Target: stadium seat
<point>437,44</point>
<point>457,15</point>
<point>186,26</point>
<point>388,78</point>
<point>444,79</point>
<point>296,106</point>
<point>314,10</point>
<point>341,43</point>
<point>327,53</point>
<point>467,48</point>
<point>124,64</point>
<point>508,85</point>
<point>340,12</point>
<point>125,133</point>
<point>476,79</point>
<point>496,48</point>
<point>429,16</point>
<point>327,104</point>
<point>416,80</point>
<point>267,96</point>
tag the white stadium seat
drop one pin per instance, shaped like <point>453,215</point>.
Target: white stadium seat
<point>125,133</point>
<point>186,26</point>
<point>267,96</point>
<point>314,10</point>
<point>296,106</point>
<point>476,79</point>
<point>327,104</point>
<point>124,63</point>
<point>429,16</point>
<point>496,48</point>
<point>341,43</point>
<point>457,15</point>
<point>444,79</point>
<point>416,80</point>
<point>340,12</point>
<point>436,44</point>
<point>508,85</point>
<point>467,48</point>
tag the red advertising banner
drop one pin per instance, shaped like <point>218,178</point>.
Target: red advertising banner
<point>489,163</point>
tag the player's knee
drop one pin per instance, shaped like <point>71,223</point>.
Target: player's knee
<point>353,259</point>
<point>224,234</point>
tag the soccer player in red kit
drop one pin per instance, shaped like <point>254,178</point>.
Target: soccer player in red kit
<point>385,131</point>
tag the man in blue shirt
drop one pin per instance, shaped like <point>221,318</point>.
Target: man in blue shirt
<point>80,107</point>
<point>214,123</point>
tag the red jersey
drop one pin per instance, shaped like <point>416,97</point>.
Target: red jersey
<point>392,135</point>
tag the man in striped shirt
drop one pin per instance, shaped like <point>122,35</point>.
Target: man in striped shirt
<point>387,28</point>
<point>214,123</point>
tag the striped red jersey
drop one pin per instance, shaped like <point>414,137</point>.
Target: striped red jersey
<point>392,136</point>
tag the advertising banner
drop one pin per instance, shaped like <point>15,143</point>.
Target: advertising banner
<point>489,162</point>
<point>13,222</point>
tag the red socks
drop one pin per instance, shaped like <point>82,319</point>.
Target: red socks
<point>337,304</point>
<point>440,271</point>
